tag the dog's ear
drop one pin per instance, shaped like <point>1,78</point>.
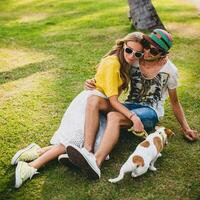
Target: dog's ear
<point>169,132</point>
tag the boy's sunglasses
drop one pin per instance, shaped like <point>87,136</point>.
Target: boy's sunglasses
<point>137,54</point>
<point>154,51</point>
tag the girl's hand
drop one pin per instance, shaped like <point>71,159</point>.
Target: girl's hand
<point>90,84</point>
<point>137,124</point>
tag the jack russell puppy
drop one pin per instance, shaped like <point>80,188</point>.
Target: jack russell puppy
<point>145,154</point>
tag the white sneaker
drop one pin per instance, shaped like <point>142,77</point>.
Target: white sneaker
<point>85,160</point>
<point>64,160</point>
<point>27,154</point>
<point>23,172</point>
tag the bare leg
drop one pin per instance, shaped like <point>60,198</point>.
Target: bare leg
<point>115,120</point>
<point>44,149</point>
<point>95,104</point>
<point>47,156</point>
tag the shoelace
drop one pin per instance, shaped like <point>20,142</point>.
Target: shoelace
<point>29,173</point>
<point>29,156</point>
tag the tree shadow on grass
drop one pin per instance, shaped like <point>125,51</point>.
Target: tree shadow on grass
<point>7,184</point>
<point>25,71</point>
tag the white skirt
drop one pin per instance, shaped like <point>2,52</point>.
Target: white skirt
<point>71,129</point>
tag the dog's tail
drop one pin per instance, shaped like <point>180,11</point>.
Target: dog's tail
<point>127,167</point>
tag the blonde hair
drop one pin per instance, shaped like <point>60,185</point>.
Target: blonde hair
<point>118,50</point>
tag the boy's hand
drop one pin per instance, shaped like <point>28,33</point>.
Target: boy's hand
<point>137,124</point>
<point>191,135</point>
<point>90,84</point>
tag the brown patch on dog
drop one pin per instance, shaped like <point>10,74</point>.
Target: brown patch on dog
<point>158,144</point>
<point>168,132</point>
<point>138,160</point>
<point>145,144</point>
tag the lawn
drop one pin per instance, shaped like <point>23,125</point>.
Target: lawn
<point>48,48</point>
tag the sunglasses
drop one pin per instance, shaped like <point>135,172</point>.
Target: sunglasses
<point>137,54</point>
<point>154,51</point>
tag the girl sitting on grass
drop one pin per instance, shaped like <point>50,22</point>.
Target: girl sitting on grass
<point>112,78</point>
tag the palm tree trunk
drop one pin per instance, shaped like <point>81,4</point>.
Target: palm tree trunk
<point>143,15</point>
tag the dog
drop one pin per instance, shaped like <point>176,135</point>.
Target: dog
<point>145,154</point>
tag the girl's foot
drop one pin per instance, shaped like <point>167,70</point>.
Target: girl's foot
<point>23,172</point>
<point>27,154</point>
<point>64,159</point>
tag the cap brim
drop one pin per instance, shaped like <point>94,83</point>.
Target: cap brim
<point>147,38</point>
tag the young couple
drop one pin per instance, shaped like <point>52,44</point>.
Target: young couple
<point>84,138</point>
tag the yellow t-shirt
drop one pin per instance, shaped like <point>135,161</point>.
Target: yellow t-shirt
<point>108,79</point>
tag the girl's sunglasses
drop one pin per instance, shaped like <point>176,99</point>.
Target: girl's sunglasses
<point>137,54</point>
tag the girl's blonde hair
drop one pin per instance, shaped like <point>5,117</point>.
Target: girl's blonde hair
<point>118,50</point>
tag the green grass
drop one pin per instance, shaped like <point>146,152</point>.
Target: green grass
<point>48,48</point>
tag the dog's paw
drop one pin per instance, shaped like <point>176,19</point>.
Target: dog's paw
<point>152,168</point>
<point>111,180</point>
<point>159,155</point>
<point>133,175</point>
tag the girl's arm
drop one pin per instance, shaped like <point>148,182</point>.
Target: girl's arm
<point>180,116</point>
<point>138,126</point>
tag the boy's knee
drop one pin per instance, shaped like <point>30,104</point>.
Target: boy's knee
<point>149,123</point>
<point>149,118</point>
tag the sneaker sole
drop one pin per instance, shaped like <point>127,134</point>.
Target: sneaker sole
<point>80,161</point>
<point>18,180</point>
<point>66,162</point>
<point>14,160</point>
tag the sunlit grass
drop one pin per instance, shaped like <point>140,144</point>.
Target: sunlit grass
<point>11,58</point>
<point>15,89</point>
<point>184,30</point>
<point>32,17</point>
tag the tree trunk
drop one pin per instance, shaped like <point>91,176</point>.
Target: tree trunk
<point>143,15</point>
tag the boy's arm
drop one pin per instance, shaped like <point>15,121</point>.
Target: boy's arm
<point>90,84</point>
<point>180,116</point>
